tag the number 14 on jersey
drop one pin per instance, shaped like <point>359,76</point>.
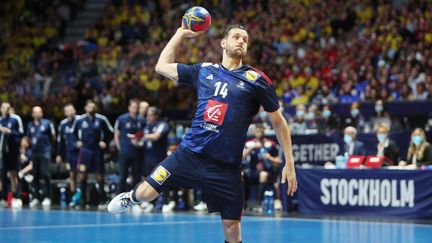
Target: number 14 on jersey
<point>221,89</point>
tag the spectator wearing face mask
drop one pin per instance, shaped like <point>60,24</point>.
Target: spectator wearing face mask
<point>355,118</point>
<point>351,145</point>
<point>328,122</point>
<point>386,147</point>
<point>311,119</point>
<point>419,151</point>
<point>299,121</point>
<point>380,117</point>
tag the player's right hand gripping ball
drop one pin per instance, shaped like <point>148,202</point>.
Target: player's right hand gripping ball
<point>196,19</point>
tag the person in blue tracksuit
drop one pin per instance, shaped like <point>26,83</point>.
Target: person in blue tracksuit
<point>93,132</point>
<point>130,153</point>
<point>11,132</point>
<point>41,134</point>
<point>67,150</point>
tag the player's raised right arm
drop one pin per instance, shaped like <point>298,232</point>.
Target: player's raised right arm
<point>166,65</point>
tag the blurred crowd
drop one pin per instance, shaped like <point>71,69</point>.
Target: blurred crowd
<point>319,52</point>
<point>33,57</point>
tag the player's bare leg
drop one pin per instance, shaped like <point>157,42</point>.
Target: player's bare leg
<point>16,201</point>
<point>232,230</point>
<point>100,178</point>
<point>73,182</point>
<point>80,195</point>
<point>144,192</point>
<point>13,175</point>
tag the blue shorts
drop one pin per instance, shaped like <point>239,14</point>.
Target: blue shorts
<point>149,164</point>
<point>72,160</point>
<point>221,182</point>
<point>91,160</point>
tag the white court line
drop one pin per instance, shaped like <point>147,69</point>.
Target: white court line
<point>245,219</point>
<point>249,219</point>
<point>106,225</point>
<point>121,224</point>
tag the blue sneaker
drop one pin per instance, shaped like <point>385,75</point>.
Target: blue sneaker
<point>76,199</point>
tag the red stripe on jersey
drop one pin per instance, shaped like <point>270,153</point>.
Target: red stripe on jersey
<point>266,78</point>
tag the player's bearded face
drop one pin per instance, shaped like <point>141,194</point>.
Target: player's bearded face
<point>236,43</point>
<point>90,108</point>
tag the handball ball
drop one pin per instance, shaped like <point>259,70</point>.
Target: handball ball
<point>196,19</point>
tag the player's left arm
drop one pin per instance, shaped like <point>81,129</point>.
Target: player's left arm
<point>108,132</point>
<point>284,137</point>
<point>269,101</point>
<point>166,65</point>
<point>18,129</point>
<point>52,132</point>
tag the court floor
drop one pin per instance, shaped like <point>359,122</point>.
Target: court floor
<point>88,226</point>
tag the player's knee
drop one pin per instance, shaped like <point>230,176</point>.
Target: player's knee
<point>145,193</point>
<point>232,230</point>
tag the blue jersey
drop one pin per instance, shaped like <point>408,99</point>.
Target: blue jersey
<point>66,140</point>
<point>40,136</point>
<point>11,141</point>
<point>227,102</point>
<point>156,150</point>
<point>92,130</point>
<point>126,124</point>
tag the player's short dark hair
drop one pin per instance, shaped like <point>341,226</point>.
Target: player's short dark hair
<point>154,109</point>
<point>69,104</point>
<point>136,101</point>
<point>90,101</point>
<point>232,26</point>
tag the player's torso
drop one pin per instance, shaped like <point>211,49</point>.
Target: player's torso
<point>9,122</point>
<point>91,126</point>
<point>67,133</point>
<point>90,130</point>
<point>13,125</point>
<point>129,125</point>
<point>40,134</point>
<point>156,147</point>
<point>225,98</point>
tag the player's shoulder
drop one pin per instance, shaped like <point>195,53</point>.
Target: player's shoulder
<point>257,76</point>
<point>162,123</point>
<point>209,65</point>
<point>122,116</point>
<point>80,117</point>
<point>100,116</point>
<point>46,121</point>
<point>16,117</point>
<point>63,122</point>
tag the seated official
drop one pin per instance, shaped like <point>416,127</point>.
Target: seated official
<point>386,147</point>
<point>351,145</point>
<point>419,151</point>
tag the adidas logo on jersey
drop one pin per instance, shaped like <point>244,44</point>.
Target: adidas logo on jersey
<point>210,77</point>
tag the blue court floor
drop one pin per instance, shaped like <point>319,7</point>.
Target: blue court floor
<point>86,226</point>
